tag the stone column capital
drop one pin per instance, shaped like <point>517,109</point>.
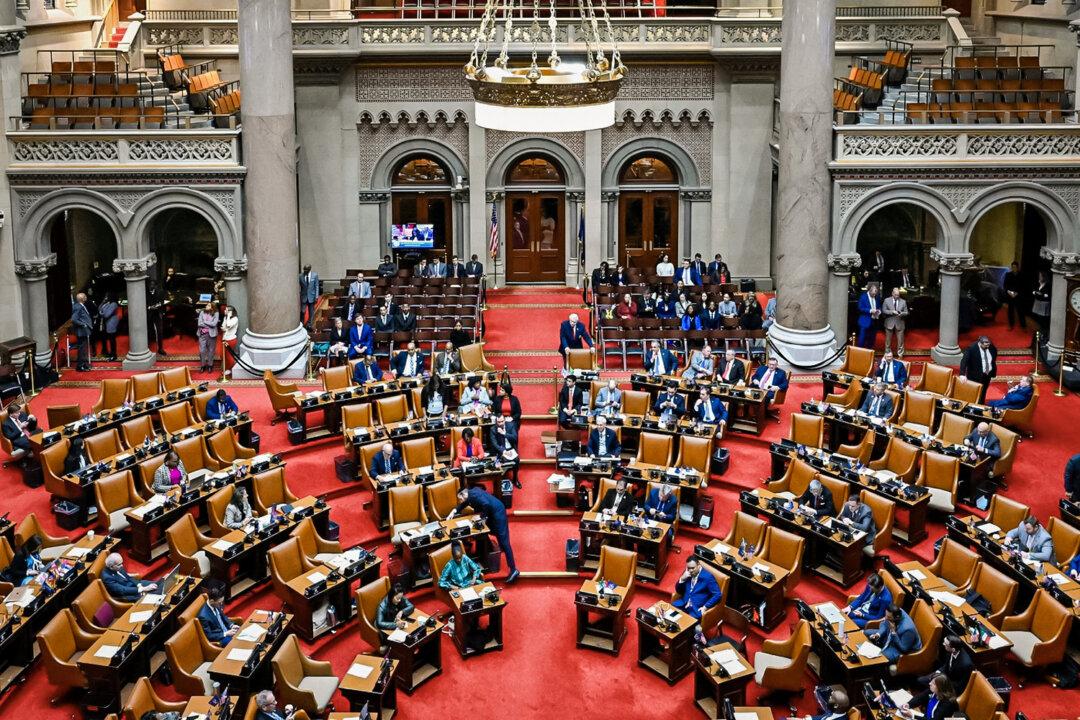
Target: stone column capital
<point>11,39</point>
<point>374,197</point>
<point>231,268</point>
<point>576,196</point>
<point>493,196</point>
<point>460,194</point>
<point>696,195</point>
<point>954,263</point>
<point>1074,27</point>
<point>134,268</point>
<point>844,263</point>
<point>609,195</point>
<point>1063,263</point>
<point>35,268</point>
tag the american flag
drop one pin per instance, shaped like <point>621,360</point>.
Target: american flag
<point>493,242</point>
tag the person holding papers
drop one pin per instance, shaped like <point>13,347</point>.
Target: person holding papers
<point>617,500</point>
<point>216,625</point>
<point>697,590</point>
<point>661,504</point>
<point>896,635</point>
<point>238,511</point>
<point>504,440</point>
<point>603,442</point>
<point>608,400</point>
<point>468,448</point>
<point>939,701</point>
<point>818,498</point>
<point>170,473</point>
<point>385,462</point>
<point>461,572</point>
<point>1032,541</point>
<point>859,516</point>
<point>392,611</point>
<point>877,404</point>
<point>871,603</point>
<point>121,584</point>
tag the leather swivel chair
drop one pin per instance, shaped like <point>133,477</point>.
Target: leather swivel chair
<point>336,378</point>
<point>999,590</point>
<point>940,475</point>
<point>14,454</point>
<point>748,528</point>
<point>199,403</point>
<point>618,566</point>
<point>441,498</point>
<point>59,415</point>
<point>392,409</point>
<point>952,429</point>
<point>919,412</point>
<point>1066,539</point>
<point>215,511</point>
<point>581,359</point>
<point>437,560</point>
<point>860,451</point>
<point>90,609</point>
<point>808,430</point>
<point>979,700</point>
<point>269,489</point>
<point>780,665</point>
<point>175,378</point>
<point>189,654</point>
<point>406,510</point>
<point>145,386</point>
<point>175,418</point>
<point>1005,513</point>
<point>195,456</point>
<point>115,494</point>
<point>51,547</point>
<point>143,700</point>
<point>316,548</point>
<point>884,511</point>
<point>137,430</point>
<point>795,480</point>
<point>52,470</point>
<point>901,458</point>
<point>1009,441</point>
<point>306,684</point>
<point>1040,633</point>
<point>103,445</point>
<point>368,598</point>
<point>1023,420</point>
<point>287,562</point>
<point>635,402</point>
<point>655,449</point>
<point>967,391</point>
<point>226,447</point>
<point>927,624</point>
<point>857,361</point>
<point>114,393</point>
<point>715,614</point>
<point>786,550</point>
<point>849,397</point>
<point>284,397</point>
<point>954,564</point>
<point>62,642</point>
<point>472,358</point>
<point>839,490</point>
<point>936,379</point>
<point>418,453</point>
<point>187,547</point>
<point>696,453</point>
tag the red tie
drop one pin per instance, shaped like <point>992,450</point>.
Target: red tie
<point>727,370</point>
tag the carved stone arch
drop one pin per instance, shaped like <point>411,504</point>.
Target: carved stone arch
<point>950,237</point>
<point>514,151</point>
<point>383,172</point>
<point>1061,224</point>
<point>230,242</point>
<point>33,239</point>
<point>684,164</point>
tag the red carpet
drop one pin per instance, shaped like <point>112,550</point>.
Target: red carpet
<point>540,671</point>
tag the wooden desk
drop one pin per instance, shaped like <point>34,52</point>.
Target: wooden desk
<point>418,650</point>
<point>748,586</point>
<point>827,553</point>
<point>665,640</point>
<point>423,541</point>
<point>601,625</point>
<point>469,613</point>
<point>842,661</point>
<point>200,706</point>
<point>650,539</point>
<point>378,689</point>
<point>326,586</point>
<point>717,678</point>
<point>630,427</point>
<point>242,674</point>
<point>748,407</point>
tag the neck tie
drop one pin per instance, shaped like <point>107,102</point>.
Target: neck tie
<point>766,379</point>
<point>727,371</point>
<point>221,620</point>
<point>386,464</point>
<point>986,361</point>
<point>603,443</point>
<point>708,411</point>
<point>982,443</point>
<point>888,372</point>
<point>876,404</point>
<point>873,303</point>
<point>693,582</point>
<point>410,366</point>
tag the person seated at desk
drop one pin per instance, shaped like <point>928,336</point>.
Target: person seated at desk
<point>834,704</point>
<point>659,361</point>
<point>460,337</point>
<point>216,625</point>
<point>461,571</point>
<point>475,399</point>
<point>433,396</point>
<point>891,371</point>
<point>662,504</point>
<point>238,511</point>
<point>771,378</point>
<point>877,404</point>
<point>698,590</point>
<point>627,308</point>
<point>957,664</point>
<point>817,498</point>
<point>361,338</point>
<point>1017,396</point>
<point>859,516</point>
<point>701,363</point>
<point>410,363</point>
<point>506,403</point>
<point>708,409</point>
<point>939,701</point>
<point>392,612</point>
<point>871,604</point>
<point>76,458</point>
<point>982,442</point>
<point>448,362</point>
<point>468,448</point>
<point>120,583</point>
<point>385,322</point>
<point>220,405</point>
<point>603,442</point>
<point>19,426</point>
<point>618,500</point>
<point>730,370</point>
<point>669,405</point>
<point>405,320</point>
<point>608,400</point>
<point>367,370</point>
<point>896,634</point>
<point>385,462</point>
<point>1032,541</point>
<point>26,563</point>
<point>504,443</point>
<point>571,400</point>
<point>170,474</point>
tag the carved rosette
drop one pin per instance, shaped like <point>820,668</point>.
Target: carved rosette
<point>35,268</point>
<point>1074,27</point>
<point>374,197</point>
<point>134,268</point>
<point>231,268</point>
<point>952,263</point>
<point>844,263</point>
<point>1063,263</point>
<point>11,39</point>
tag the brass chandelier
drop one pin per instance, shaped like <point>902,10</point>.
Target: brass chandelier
<point>557,96</point>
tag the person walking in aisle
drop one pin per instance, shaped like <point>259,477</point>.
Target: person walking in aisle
<point>207,330</point>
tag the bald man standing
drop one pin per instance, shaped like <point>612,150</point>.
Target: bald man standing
<point>573,335</point>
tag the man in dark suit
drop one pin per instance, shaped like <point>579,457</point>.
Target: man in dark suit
<point>979,362</point>
<point>447,362</point>
<point>603,442</point>
<point>474,268</point>
<point>456,269</point>
<point>770,377</point>
<point>700,267</point>
<point>406,319</point>
<point>309,295</point>
<point>348,309</point>
<point>438,269</point>
<point>503,439</point>
<point>618,500</point>
<point>730,369</point>
<point>1072,478</point>
<point>891,371</point>
<point>573,335</point>
<point>571,400</point>
<point>409,363</point>
<point>216,625</point>
<point>718,270</point>
<point>662,504</point>
<point>1015,295</point>
<point>660,361</point>
<point>818,498</point>
<point>877,403</point>
<point>697,589</point>
<point>982,441</point>
<point>120,584</point>
<point>267,707</point>
<point>687,275</point>
<point>17,425</point>
<point>957,664</point>
<point>367,370</point>
<point>669,405</point>
<point>385,322</point>
<point>494,513</point>
<point>387,268</point>
<point>84,325</point>
<point>386,461</point>
<point>1017,396</point>
<point>708,409</point>
<point>859,516</point>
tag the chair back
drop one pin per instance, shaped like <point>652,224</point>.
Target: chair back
<point>406,505</point>
<point>441,497</point>
<point>58,644</point>
<point>418,453</point>
<point>287,562</point>
<point>114,393</point>
<point>954,563</point>
<point>635,402</point>
<point>786,550</point>
<point>748,528</point>
<point>175,378</point>
<point>839,490</point>
<point>199,403</point>
<point>183,539</point>
<point>368,598</point>
<point>437,560</point>
<point>136,430</point>
<point>1006,513</point>
<point>103,445</point>
<point>999,590</point>
<point>113,492</point>
<point>184,651</point>
<point>796,479</point>
<point>52,468</point>
<point>175,418</point>
<point>581,358</point>
<point>392,409</point>
<point>695,452</point>
<point>356,416</point>
<point>281,394</point>
<point>808,430</point>
<point>884,511</point>
<point>937,379</point>
<point>919,407</point>
<point>59,415</point>
<point>1021,420</point>
<point>980,701</point>
<point>617,565</point>
<point>145,385</point>
<point>967,391</point>
<point>953,428</point>
<point>472,358</point>
<point>269,489</point>
<point>194,455</point>
<point>654,448</point>
<point>858,361</point>
<point>366,454</point>
<point>1066,539</point>
<point>930,631</point>
<point>336,378</point>
<point>1009,440</point>
<point>215,510</point>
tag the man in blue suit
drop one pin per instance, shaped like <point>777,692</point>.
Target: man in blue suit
<point>871,603</point>
<point>876,403</point>
<point>361,338</point>
<point>669,405</point>
<point>896,635</point>
<point>493,511</point>
<point>891,371</point>
<point>687,275</point>
<point>982,441</point>
<point>869,312</point>
<point>1017,397</point>
<point>573,335</point>
<point>121,584</point>
<point>659,361</point>
<point>770,377</point>
<point>220,405</point>
<point>309,295</point>
<point>697,589</point>
<point>603,442</point>
<point>367,370</point>
<point>410,363</point>
<point>709,409</point>
<point>216,625</point>
<point>662,504</point>
<point>387,461</point>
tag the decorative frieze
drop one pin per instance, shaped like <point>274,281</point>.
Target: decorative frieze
<point>172,35</point>
<point>134,268</point>
<point>668,82</point>
<point>676,33</point>
<point>454,33</point>
<point>179,147</point>
<point>224,36</point>
<point>952,262</point>
<point>309,36</point>
<point>852,32</point>
<point>497,140</point>
<point>374,197</point>
<point>231,267</point>
<point>381,83</point>
<point>896,145</point>
<point>750,34</point>
<point>696,195</point>
<point>910,32</point>
<point>64,151</point>
<point>179,150</point>
<point>35,268</point>
<point>392,35</point>
<point>844,263</point>
<point>1064,263</point>
<point>1023,144</point>
<point>850,195</point>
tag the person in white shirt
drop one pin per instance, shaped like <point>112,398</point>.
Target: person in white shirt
<point>664,268</point>
<point>229,323</point>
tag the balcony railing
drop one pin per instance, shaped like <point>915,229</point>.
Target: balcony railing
<point>926,145</point>
<point>125,149</point>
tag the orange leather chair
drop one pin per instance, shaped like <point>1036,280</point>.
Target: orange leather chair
<point>655,449</point>
<point>114,393</point>
<point>999,590</point>
<point>189,654</point>
<point>900,457</point>
<point>52,470</point>
<point>103,445</point>
<point>406,511</point>
<point>808,430</point>
<point>306,684</point>
<point>284,397</point>
<point>199,403</point>
<point>953,429</point>
<point>472,358</point>
<point>366,454</point>
<point>60,415</point>
<point>979,700</point>
<point>62,642</point>
<point>418,453</point>
<point>849,397</point>
<point>581,358</point>
<point>145,385</point>
<point>715,614</point>
<point>748,528</point>
<point>940,474</point>
<point>91,601</point>
<point>781,664</point>
<point>601,490</point>
<point>6,556</point>
<point>441,498</point>
<point>857,361</point>
<point>954,564</point>
<point>839,490</point>
<point>187,547</point>
<point>356,416</point>
<point>147,468</point>
<point>696,453</point>
<point>269,489</point>
<point>860,451</point>
<point>175,418</point>
<point>1005,513</point>
<point>137,430</point>
<point>368,598</point>
<point>967,391</point>
<point>392,409</point>
<point>143,700</point>
<point>635,402</point>
<point>436,562</point>
<point>1040,633</point>
<point>786,550</point>
<point>884,511</point>
<point>226,447</point>
<point>796,478</point>
<point>115,494</point>
<point>1022,420</point>
<point>618,566</point>
<point>1066,539</point>
<point>1009,441</point>
<point>936,379</point>
<point>51,547</point>
<point>315,547</point>
<point>195,456</point>
<point>919,412</point>
<point>336,378</point>
<point>287,562</point>
<point>921,661</point>
<point>175,378</point>
<point>215,511</point>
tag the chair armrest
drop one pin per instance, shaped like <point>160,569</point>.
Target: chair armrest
<point>1023,621</point>
<point>315,668</point>
<point>166,706</point>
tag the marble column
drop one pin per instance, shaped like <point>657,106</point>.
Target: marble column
<point>479,209</point>
<point>610,198</point>
<point>274,336</point>
<point>1062,264</point>
<point>36,298</point>
<point>135,271</point>
<point>697,222</point>
<point>950,267</point>
<point>1074,27</point>
<point>594,216</point>
<point>801,334</point>
<point>234,272</point>
<point>841,267</point>
<point>11,299</point>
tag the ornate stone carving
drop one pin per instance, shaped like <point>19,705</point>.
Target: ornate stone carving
<point>127,200</point>
<point>750,34</point>
<point>378,84</point>
<point>307,36</point>
<point>696,195</point>
<point>668,82</point>
<point>952,262</point>
<point>1074,28</point>
<point>958,195</point>
<point>412,34</point>
<point>1024,144</point>
<point>231,267</point>
<point>527,33</point>
<point>852,32</point>
<point>134,268</point>
<point>844,263</point>
<point>374,197</point>
<point>624,33</point>
<point>224,36</point>
<point>453,33</point>
<point>27,201</point>
<point>1070,194</point>
<point>319,71</point>
<point>575,196</point>
<point>169,35</point>
<point>910,32</point>
<point>499,139</point>
<point>1064,263</point>
<point>676,33</point>
<point>376,138</point>
<point>850,196</point>
<point>893,145</point>
<point>609,195</point>
<point>695,139</point>
<point>225,198</point>
<point>493,196</point>
<point>53,151</point>
<point>10,40</point>
<point>180,150</point>
<point>35,268</point>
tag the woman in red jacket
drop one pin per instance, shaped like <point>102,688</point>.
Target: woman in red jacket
<point>468,448</point>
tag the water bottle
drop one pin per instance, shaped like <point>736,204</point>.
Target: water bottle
<point>742,549</point>
<point>215,697</point>
<point>450,626</point>
<point>331,616</point>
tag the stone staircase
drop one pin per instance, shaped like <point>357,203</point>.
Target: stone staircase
<point>113,41</point>
<point>976,39</point>
<point>893,102</point>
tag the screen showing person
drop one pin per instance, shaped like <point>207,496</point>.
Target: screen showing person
<point>412,236</point>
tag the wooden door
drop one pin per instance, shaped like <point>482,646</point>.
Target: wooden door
<point>648,226</point>
<point>536,237</point>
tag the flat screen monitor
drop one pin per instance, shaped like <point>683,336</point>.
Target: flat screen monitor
<point>412,236</point>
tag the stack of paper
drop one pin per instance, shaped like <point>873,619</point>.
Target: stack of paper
<point>786,495</point>
<point>869,650</point>
<point>989,528</point>
<point>222,545</point>
<point>947,597</point>
<point>78,552</point>
<point>996,641</point>
<point>252,633</point>
<point>758,568</point>
<point>316,577</point>
<point>141,616</point>
<point>239,655</point>
<point>360,670</point>
<point>724,656</point>
<point>397,636</point>
<point>106,651</point>
<point>915,575</point>
<point>152,599</point>
<point>467,594</point>
<point>900,697</point>
<point>830,612</point>
<point>463,523</point>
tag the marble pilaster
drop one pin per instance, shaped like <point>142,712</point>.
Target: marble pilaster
<point>33,274</point>
<point>594,217</point>
<point>840,267</point>
<point>950,267</point>
<point>11,320</point>
<point>234,272</point>
<point>1074,27</point>
<point>1062,264</point>
<point>135,271</point>
<point>479,210</point>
